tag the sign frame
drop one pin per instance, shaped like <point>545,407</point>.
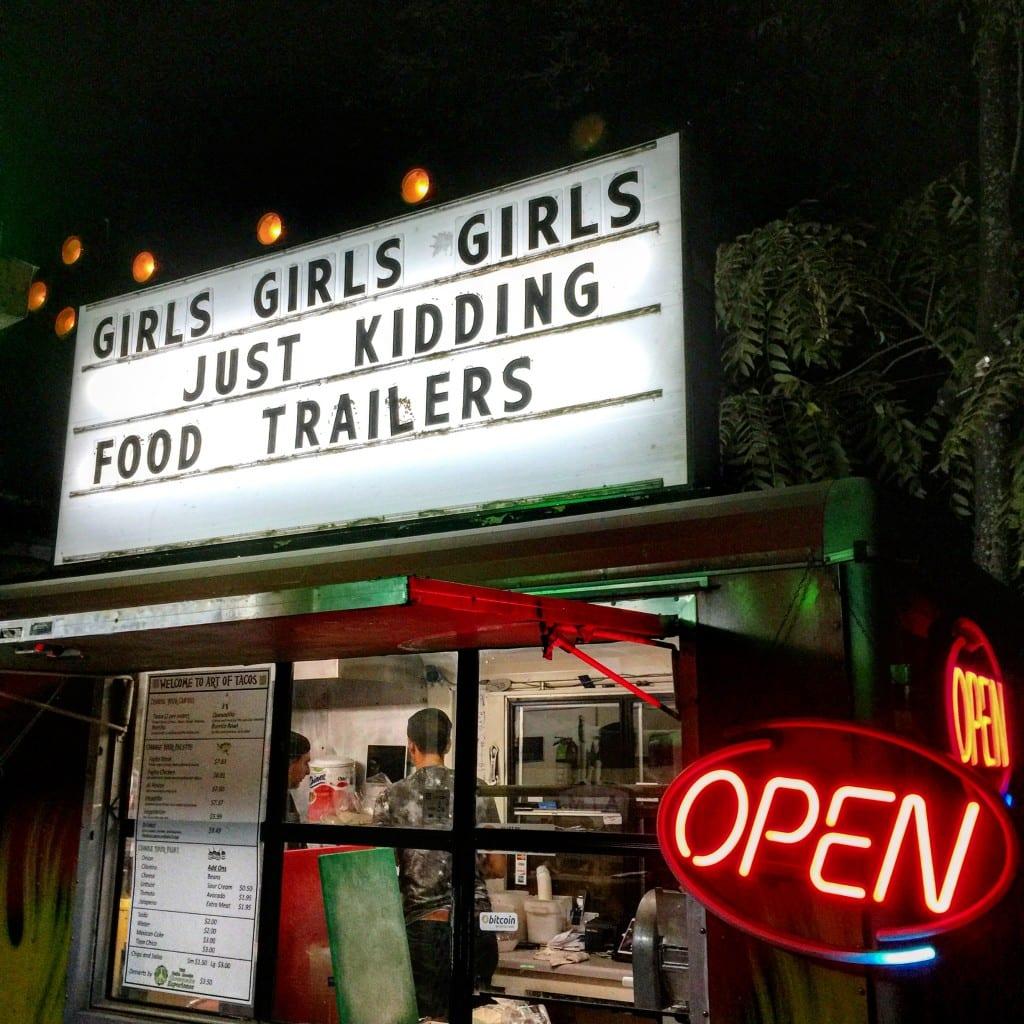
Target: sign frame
<point>696,354</point>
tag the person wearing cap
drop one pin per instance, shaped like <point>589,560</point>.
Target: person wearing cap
<point>424,800</point>
<point>298,769</point>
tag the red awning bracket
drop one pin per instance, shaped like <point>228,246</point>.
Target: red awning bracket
<point>562,624</point>
<point>565,638</point>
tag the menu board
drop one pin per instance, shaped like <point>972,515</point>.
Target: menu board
<point>196,868</point>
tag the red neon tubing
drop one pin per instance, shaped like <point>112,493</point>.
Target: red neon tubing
<point>796,944</point>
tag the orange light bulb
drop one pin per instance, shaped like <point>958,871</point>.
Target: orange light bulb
<point>71,250</point>
<point>37,294</point>
<point>269,229</point>
<point>416,185</point>
<point>65,322</point>
<point>143,267</point>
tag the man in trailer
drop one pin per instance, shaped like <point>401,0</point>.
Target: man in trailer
<point>424,800</point>
<point>298,769</point>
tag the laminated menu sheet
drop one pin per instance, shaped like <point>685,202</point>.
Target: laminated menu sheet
<point>196,865</point>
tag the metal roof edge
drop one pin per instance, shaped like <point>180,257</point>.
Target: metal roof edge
<point>227,568</point>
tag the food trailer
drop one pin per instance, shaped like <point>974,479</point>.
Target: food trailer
<point>690,757</point>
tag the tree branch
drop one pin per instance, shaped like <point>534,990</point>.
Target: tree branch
<point>931,297</point>
<point>907,355</point>
<point>871,358</point>
<point>1019,32</point>
<point>895,306</point>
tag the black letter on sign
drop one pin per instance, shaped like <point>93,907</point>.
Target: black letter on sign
<point>272,416</point>
<point>317,284</point>
<point>588,292</point>
<point>344,420</point>
<point>264,299</point>
<point>170,338</point>
<point>464,303</point>
<point>627,200</point>
<point>473,250</point>
<point>126,328</point>
<point>397,426</point>
<point>292,302</point>
<point>158,453</point>
<point>537,300</point>
<point>501,325</point>
<point>364,340</point>
<point>434,397</point>
<point>286,343</point>
<point>397,332</point>
<point>103,339</point>
<point>227,376</point>
<point>513,383</point>
<point>102,458</point>
<point>542,212</point>
<point>201,314</point>
<point>350,287</point>
<point>373,416</point>
<point>423,311</point>
<point>578,229</point>
<point>148,320</point>
<point>189,436</point>
<point>191,396</point>
<point>388,263</point>
<point>507,224</point>
<point>306,419</point>
<point>256,363</point>
<point>129,455</point>
<point>476,381</point>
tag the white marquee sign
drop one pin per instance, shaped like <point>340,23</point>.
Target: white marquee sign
<point>521,343</point>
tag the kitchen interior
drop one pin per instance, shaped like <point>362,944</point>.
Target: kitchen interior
<point>560,746</point>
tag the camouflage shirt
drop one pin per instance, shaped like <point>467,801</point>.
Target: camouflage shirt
<point>424,800</point>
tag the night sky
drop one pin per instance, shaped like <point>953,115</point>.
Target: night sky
<point>173,127</point>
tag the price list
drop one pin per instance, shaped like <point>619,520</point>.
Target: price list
<point>195,874</point>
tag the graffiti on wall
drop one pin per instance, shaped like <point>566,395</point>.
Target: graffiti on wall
<point>42,760</point>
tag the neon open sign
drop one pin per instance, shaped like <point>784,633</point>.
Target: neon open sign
<point>976,704</point>
<point>838,841</point>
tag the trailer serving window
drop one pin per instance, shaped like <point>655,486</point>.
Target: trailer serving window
<point>409,769</point>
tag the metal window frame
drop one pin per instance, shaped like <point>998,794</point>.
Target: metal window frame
<point>463,841</point>
<point>103,837</point>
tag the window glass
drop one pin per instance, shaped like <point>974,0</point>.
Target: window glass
<point>383,934</point>
<point>659,745</point>
<point>564,936</point>
<point>363,725</point>
<point>564,746</point>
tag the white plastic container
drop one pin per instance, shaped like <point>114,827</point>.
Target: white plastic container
<point>544,920</point>
<point>372,792</point>
<point>510,902</point>
<point>329,779</point>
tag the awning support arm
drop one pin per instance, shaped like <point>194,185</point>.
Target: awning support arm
<point>554,639</point>
<point>112,726</point>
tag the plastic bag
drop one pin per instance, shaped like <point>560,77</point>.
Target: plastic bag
<point>506,1011</point>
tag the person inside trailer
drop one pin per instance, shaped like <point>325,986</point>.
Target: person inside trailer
<point>424,800</point>
<point>298,769</point>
